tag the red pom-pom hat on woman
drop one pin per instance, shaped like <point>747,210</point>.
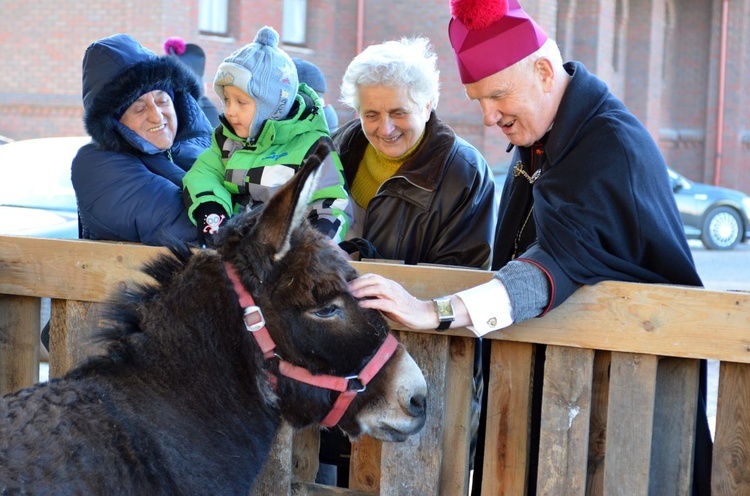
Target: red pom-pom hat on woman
<point>491,35</point>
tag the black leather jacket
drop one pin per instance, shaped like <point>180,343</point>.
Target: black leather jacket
<point>439,207</point>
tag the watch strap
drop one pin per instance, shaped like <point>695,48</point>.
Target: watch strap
<point>444,324</point>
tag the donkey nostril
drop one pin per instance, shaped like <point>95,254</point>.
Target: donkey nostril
<point>417,405</point>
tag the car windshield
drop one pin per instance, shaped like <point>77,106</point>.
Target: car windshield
<point>36,173</point>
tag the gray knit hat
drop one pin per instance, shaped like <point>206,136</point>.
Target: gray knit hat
<point>311,75</point>
<point>263,71</point>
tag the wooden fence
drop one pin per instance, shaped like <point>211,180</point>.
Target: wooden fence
<point>620,381</point>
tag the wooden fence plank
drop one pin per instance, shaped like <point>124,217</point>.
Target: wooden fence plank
<point>73,325</point>
<point>598,428</point>
<point>420,454</point>
<point>305,448</point>
<point>311,489</point>
<point>74,269</point>
<point>276,477</point>
<point>508,415</point>
<point>454,474</point>
<point>646,319</point>
<point>731,462</point>
<point>675,415</point>
<point>19,342</point>
<point>630,423</point>
<point>615,316</point>
<point>364,467</point>
<point>566,413</point>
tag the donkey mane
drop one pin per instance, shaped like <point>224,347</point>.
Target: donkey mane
<point>142,329</point>
<point>122,311</point>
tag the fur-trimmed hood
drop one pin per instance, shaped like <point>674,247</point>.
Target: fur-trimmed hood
<point>117,70</point>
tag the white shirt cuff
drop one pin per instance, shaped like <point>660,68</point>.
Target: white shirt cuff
<point>488,305</point>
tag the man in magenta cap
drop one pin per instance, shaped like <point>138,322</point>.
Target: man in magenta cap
<point>588,200</point>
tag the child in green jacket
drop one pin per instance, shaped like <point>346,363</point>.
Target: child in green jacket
<point>269,125</point>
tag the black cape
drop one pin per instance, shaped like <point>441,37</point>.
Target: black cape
<point>603,206</point>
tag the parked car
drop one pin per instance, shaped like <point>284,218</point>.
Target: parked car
<point>36,193</point>
<point>719,217</point>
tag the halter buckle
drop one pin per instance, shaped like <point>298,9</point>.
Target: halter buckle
<point>354,385</point>
<point>259,324</point>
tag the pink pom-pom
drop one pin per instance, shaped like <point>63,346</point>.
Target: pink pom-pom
<point>478,14</point>
<point>174,46</point>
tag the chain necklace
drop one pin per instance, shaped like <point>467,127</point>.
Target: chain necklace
<point>518,170</point>
<point>520,233</point>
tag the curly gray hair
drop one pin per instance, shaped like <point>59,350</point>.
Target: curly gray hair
<point>407,63</point>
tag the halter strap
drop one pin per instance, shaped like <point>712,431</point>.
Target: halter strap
<point>255,324</point>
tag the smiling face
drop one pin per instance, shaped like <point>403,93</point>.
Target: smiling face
<point>519,100</point>
<point>239,109</point>
<point>391,120</point>
<point>153,118</point>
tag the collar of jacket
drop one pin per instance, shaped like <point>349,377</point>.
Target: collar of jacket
<point>583,97</point>
<point>424,169</point>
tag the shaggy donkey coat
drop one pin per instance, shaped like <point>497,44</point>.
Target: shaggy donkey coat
<point>182,403</point>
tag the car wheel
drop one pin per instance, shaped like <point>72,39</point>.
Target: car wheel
<point>722,229</point>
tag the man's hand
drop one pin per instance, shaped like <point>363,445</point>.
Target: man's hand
<point>394,301</point>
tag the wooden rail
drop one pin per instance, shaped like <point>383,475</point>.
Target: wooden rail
<point>620,380</point>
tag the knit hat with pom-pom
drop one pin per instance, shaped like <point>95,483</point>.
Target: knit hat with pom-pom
<point>265,73</point>
<point>491,35</point>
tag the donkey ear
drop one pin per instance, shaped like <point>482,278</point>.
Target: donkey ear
<point>289,207</point>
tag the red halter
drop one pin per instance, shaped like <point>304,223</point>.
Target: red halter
<point>256,324</point>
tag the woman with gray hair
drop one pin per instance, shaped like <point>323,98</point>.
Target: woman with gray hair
<point>422,194</point>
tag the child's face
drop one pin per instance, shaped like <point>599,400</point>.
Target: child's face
<point>239,109</point>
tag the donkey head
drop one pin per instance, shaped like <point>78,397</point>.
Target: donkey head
<point>324,341</point>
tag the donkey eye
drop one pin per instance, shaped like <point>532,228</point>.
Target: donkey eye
<point>328,311</point>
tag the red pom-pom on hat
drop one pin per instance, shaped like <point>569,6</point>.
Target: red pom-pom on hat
<point>489,36</point>
<point>478,14</point>
<point>174,46</point>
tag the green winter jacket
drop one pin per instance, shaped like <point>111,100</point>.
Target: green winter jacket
<point>235,172</point>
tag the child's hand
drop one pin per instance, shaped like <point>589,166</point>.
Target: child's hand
<point>208,216</point>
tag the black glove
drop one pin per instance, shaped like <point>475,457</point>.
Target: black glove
<point>359,248</point>
<point>208,217</point>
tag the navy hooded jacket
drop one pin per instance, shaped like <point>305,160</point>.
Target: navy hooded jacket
<point>127,189</point>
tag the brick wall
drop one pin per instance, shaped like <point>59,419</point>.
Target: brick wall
<point>664,65</point>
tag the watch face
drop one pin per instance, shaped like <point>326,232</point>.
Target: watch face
<point>444,308</point>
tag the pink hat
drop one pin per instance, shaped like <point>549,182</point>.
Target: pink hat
<point>491,35</point>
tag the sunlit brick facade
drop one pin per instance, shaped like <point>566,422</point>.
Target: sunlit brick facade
<point>664,58</point>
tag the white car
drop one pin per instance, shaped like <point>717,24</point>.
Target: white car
<point>36,194</point>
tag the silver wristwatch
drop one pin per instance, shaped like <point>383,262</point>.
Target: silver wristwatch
<point>445,312</point>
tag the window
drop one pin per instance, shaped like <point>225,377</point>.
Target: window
<point>212,16</point>
<point>294,27</point>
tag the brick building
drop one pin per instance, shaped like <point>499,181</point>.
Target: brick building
<point>679,65</point>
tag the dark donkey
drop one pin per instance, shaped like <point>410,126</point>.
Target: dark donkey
<point>193,386</point>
